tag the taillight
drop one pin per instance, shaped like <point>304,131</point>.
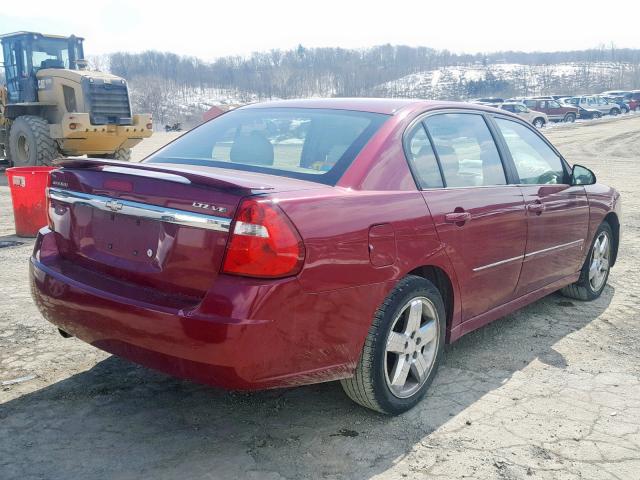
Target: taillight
<point>48,203</point>
<point>264,242</point>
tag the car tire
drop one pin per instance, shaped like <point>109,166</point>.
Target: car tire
<point>123,154</point>
<point>593,278</point>
<point>538,122</point>
<point>614,112</point>
<point>570,117</point>
<point>396,346</point>
<point>624,109</point>
<point>597,115</point>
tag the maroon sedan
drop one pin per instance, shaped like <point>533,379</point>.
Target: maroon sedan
<point>297,242</point>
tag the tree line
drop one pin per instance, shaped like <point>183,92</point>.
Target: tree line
<point>329,71</point>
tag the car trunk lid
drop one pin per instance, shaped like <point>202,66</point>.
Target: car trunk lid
<point>161,227</point>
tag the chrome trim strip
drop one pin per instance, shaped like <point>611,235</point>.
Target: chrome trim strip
<point>555,247</point>
<point>141,210</point>
<point>171,177</point>
<point>501,262</point>
<point>528,255</point>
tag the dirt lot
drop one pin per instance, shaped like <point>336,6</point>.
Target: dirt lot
<point>550,392</point>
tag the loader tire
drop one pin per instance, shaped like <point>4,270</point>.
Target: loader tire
<point>30,143</point>
<point>7,152</point>
<point>123,154</point>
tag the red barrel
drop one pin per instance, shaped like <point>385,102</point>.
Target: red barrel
<point>28,185</point>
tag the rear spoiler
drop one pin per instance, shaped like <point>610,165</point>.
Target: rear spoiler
<point>208,176</point>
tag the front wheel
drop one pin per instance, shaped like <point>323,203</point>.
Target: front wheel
<point>595,270</point>
<point>30,143</point>
<point>614,112</point>
<point>403,349</point>
<point>538,123</point>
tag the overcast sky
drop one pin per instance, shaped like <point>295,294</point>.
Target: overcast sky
<point>210,29</point>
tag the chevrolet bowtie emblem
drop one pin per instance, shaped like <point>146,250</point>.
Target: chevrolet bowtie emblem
<point>114,205</point>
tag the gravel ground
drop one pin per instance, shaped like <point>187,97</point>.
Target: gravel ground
<point>549,392</point>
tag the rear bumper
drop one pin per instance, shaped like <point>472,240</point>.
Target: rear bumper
<point>242,335</point>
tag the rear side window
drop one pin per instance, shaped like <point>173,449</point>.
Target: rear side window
<point>536,163</point>
<point>466,150</point>
<point>310,144</point>
<point>423,159</point>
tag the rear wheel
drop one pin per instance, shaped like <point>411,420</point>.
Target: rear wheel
<point>614,112</point>
<point>624,109</point>
<point>595,270</point>
<point>538,122</point>
<point>570,117</point>
<point>120,154</point>
<point>403,349</point>
<point>30,143</point>
<point>597,115</point>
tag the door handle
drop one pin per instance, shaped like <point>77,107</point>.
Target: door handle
<point>536,207</point>
<point>459,218</point>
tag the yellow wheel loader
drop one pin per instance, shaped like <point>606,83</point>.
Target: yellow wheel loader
<point>53,106</point>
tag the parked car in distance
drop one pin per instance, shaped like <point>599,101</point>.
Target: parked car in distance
<point>305,241</point>
<point>555,111</point>
<point>615,93</point>
<point>537,119</point>
<point>632,98</point>
<point>595,106</point>
<point>620,101</point>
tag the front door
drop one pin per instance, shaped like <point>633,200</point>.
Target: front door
<point>553,110</point>
<point>557,213</point>
<point>479,217</point>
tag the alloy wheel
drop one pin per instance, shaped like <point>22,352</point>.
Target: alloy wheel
<point>599,267</point>
<point>411,347</point>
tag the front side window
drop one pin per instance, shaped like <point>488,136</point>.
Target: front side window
<point>49,53</point>
<point>536,163</point>
<point>306,143</point>
<point>423,159</point>
<point>466,150</point>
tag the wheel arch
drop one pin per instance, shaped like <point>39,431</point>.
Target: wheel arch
<point>16,110</point>
<point>443,282</point>
<point>614,222</point>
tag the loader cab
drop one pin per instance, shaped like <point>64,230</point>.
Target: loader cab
<point>25,53</point>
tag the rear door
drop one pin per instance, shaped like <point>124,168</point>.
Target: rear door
<point>557,213</point>
<point>478,216</point>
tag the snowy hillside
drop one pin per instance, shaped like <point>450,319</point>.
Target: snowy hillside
<point>461,82</point>
<point>169,101</point>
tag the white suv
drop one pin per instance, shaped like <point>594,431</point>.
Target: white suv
<point>596,105</point>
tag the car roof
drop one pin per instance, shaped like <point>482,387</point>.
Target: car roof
<point>388,106</point>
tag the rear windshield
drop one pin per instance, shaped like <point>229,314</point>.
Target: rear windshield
<point>310,144</point>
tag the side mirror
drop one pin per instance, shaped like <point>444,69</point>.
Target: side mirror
<point>582,176</point>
